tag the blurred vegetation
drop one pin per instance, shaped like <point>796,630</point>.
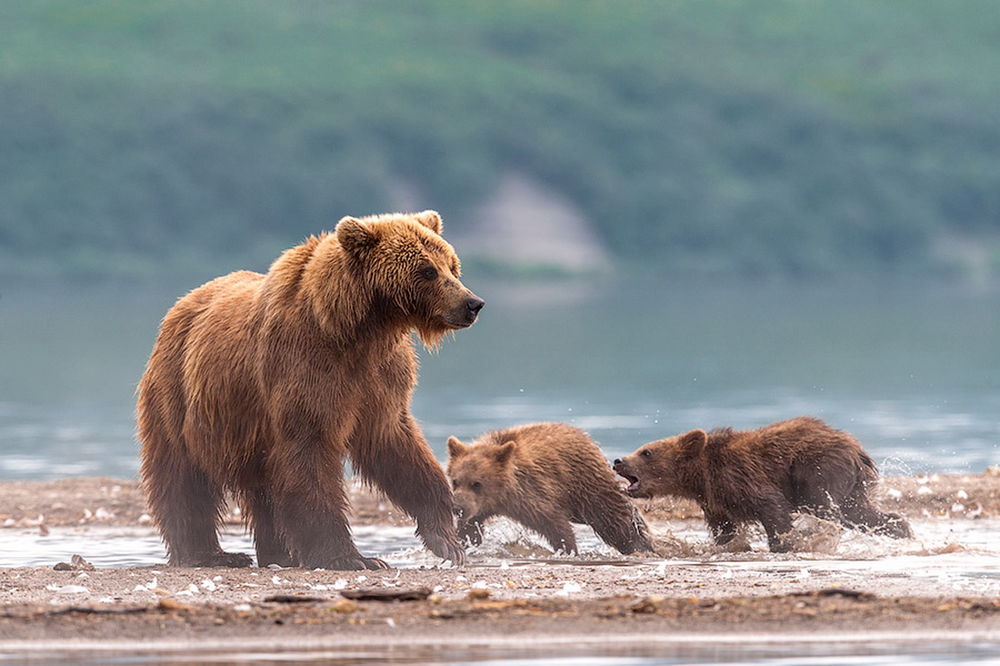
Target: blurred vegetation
<point>800,138</point>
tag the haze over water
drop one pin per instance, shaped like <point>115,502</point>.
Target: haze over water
<point>912,373</point>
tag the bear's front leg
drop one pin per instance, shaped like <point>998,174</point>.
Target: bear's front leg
<point>775,514</point>
<point>397,459</point>
<point>723,529</point>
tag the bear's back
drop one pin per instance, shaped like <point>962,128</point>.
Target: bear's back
<point>558,451</point>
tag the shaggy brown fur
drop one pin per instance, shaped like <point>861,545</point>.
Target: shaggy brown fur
<point>262,384</point>
<point>764,475</point>
<point>544,475</point>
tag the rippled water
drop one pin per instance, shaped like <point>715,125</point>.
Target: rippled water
<point>915,374</point>
<point>783,651</point>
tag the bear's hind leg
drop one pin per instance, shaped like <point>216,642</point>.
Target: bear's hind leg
<point>558,531</point>
<point>859,513</point>
<point>775,514</point>
<point>185,504</point>
<point>620,525</point>
<point>269,544</point>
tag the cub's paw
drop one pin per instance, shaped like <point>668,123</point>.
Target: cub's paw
<point>471,533</point>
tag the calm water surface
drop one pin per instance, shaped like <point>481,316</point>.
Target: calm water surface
<point>915,374</point>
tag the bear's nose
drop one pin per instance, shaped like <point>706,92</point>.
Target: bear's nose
<point>618,461</point>
<point>475,305</point>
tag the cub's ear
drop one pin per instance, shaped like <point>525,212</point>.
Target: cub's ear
<point>505,451</point>
<point>694,439</point>
<point>430,219</point>
<point>354,236</point>
<point>456,448</point>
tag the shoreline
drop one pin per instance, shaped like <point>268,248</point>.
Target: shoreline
<point>872,589</point>
<point>119,502</point>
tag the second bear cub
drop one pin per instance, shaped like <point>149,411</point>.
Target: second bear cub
<point>545,476</point>
<point>764,475</point>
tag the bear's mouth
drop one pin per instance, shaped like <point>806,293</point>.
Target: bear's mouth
<point>633,483</point>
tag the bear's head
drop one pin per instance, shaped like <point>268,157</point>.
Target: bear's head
<point>481,476</point>
<point>660,467</point>
<point>411,270</point>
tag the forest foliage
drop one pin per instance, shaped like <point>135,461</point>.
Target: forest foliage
<point>740,138</point>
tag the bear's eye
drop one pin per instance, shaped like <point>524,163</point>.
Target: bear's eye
<point>645,454</point>
<point>428,273</point>
<point>477,486</point>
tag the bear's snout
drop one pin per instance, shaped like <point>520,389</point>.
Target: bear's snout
<point>475,304</point>
<point>470,310</point>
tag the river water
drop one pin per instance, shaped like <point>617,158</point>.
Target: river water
<point>913,373</point>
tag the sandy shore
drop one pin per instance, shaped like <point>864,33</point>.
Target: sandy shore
<point>118,502</point>
<point>646,598</point>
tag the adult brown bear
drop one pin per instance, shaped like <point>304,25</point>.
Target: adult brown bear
<point>262,384</point>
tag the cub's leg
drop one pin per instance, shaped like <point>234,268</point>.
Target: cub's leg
<point>774,513</point>
<point>471,531</point>
<point>723,529</point>
<point>619,524</point>
<point>859,512</point>
<point>557,530</point>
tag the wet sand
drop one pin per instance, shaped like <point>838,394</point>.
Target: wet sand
<point>538,599</point>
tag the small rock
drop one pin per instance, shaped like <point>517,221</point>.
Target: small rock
<point>345,606</point>
<point>647,605</point>
<point>478,594</point>
<point>81,564</point>
<point>171,604</point>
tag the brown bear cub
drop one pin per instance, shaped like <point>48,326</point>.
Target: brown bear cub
<point>261,385</point>
<point>545,476</point>
<point>764,475</point>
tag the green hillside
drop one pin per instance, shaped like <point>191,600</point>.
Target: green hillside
<point>750,138</point>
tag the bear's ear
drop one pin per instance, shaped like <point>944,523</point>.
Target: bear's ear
<point>505,451</point>
<point>694,440</point>
<point>354,236</point>
<point>456,448</point>
<point>430,219</point>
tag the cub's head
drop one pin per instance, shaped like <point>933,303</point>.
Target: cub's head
<point>659,468</point>
<point>411,269</point>
<point>481,476</point>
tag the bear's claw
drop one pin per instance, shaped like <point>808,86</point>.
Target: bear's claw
<point>357,563</point>
<point>446,547</point>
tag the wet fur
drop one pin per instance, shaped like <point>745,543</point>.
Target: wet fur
<point>763,476</point>
<point>261,385</point>
<point>545,476</point>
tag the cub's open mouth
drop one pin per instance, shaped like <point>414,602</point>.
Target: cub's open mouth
<point>633,482</point>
